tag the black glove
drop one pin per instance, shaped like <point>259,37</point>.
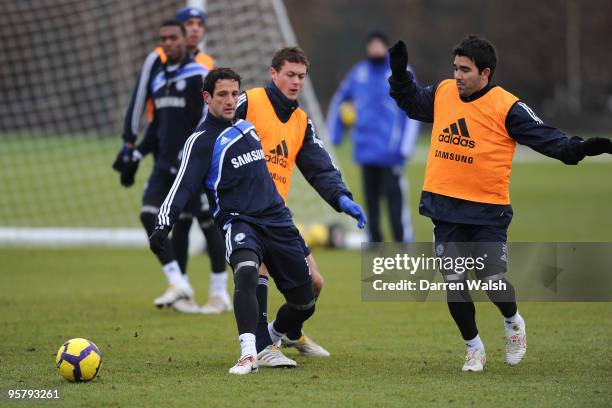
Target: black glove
<point>128,171</point>
<point>159,240</point>
<point>595,146</point>
<point>124,155</point>
<point>399,60</point>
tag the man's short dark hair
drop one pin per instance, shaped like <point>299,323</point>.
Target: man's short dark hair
<point>377,35</point>
<point>218,74</point>
<point>289,54</point>
<point>480,51</point>
<point>174,23</point>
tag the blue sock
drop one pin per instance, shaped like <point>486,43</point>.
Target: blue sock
<point>262,337</point>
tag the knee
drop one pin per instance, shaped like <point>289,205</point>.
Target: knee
<point>205,219</point>
<point>499,289</point>
<point>317,278</point>
<point>458,296</point>
<point>183,224</point>
<point>302,300</point>
<point>147,216</point>
<point>317,283</point>
<point>245,264</point>
<point>305,310</point>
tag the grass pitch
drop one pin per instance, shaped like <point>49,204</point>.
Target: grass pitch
<point>383,354</point>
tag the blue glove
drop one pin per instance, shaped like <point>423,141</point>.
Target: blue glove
<point>353,209</point>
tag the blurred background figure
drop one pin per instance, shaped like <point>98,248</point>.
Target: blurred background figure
<point>383,138</point>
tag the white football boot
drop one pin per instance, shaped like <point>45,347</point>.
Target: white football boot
<point>217,305</point>
<point>475,360</point>
<point>306,346</point>
<point>245,365</point>
<point>272,356</point>
<point>516,343</point>
<point>186,306</point>
<point>174,293</point>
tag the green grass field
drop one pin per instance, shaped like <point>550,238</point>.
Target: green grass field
<point>383,354</point>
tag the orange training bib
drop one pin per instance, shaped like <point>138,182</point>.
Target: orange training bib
<point>471,153</point>
<point>281,141</point>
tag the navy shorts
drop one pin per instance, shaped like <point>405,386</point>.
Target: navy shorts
<point>157,188</point>
<point>485,244</point>
<point>280,248</point>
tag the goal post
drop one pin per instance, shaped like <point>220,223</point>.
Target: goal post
<point>67,79</point>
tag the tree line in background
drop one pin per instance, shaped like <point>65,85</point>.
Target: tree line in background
<point>554,54</point>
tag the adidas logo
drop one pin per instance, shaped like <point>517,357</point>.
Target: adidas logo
<point>224,140</point>
<point>278,155</point>
<point>457,133</point>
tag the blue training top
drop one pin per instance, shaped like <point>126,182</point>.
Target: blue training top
<point>229,160</point>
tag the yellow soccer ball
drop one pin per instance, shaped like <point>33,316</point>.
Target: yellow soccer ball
<point>317,236</point>
<point>78,360</point>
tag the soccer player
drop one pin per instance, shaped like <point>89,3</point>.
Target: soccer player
<point>173,84</point>
<point>227,157</point>
<point>288,139</point>
<point>476,125</point>
<point>383,138</point>
<point>194,20</point>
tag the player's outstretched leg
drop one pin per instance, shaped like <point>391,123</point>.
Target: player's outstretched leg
<point>245,264</point>
<point>178,287</point>
<point>295,337</point>
<point>461,307</point>
<point>514,325</point>
<point>268,354</point>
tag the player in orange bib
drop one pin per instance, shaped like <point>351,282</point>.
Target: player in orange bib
<point>476,126</point>
<point>288,139</point>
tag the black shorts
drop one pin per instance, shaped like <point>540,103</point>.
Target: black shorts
<point>157,188</point>
<point>280,248</point>
<point>486,245</point>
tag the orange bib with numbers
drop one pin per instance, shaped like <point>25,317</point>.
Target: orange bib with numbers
<point>471,153</point>
<point>281,141</point>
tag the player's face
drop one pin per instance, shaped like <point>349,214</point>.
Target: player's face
<point>172,42</point>
<point>289,79</point>
<point>376,49</point>
<point>467,77</point>
<point>195,32</point>
<point>222,104</point>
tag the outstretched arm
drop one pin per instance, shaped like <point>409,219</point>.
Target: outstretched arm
<point>319,170</point>
<point>524,126</point>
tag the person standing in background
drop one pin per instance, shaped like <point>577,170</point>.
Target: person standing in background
<point>383,137</point>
